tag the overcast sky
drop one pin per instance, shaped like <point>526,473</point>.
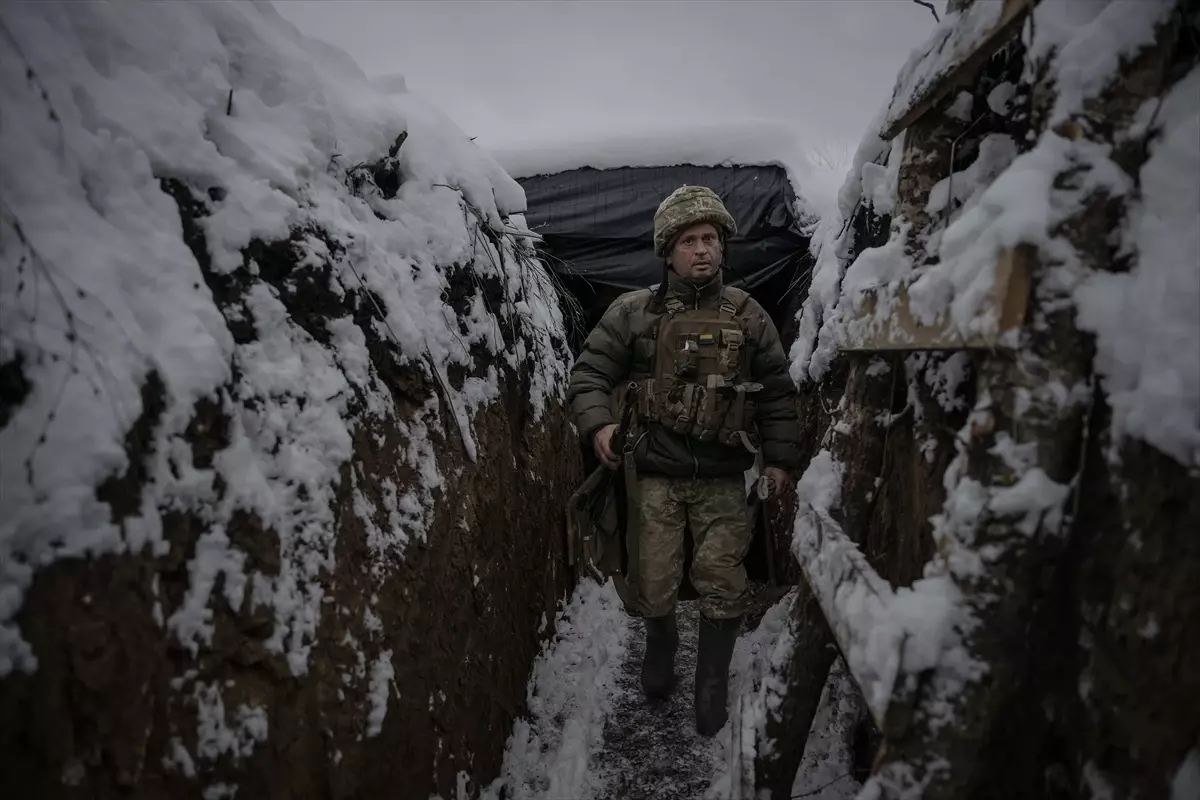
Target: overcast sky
<point>505,70</point>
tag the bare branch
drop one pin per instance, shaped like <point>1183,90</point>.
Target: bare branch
<point>929,5</point>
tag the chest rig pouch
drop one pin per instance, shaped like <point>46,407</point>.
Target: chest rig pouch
<point>699,386</point>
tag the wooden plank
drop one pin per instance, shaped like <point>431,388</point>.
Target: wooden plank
<point>902,331</point>
<point>835,568</point>
<point>963,71</point>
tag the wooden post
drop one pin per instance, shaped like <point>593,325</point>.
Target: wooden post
<point>790,692</point>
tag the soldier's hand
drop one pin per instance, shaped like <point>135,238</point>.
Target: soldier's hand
<point>779,480</point>
<point>602,443</point>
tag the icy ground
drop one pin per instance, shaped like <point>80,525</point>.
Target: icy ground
<point>589,735</point>
<point>654,753</point>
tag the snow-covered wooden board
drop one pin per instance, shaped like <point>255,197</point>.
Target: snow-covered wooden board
<point>897,326</point>
<point>956,51</point>
<point>855,600</point>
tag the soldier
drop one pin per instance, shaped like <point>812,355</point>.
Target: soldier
<point>713,392</point>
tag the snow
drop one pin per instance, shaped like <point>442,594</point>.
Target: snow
<point>957,35</point>
<point>883,632</point>
<point>1186,782</point>
<point>753,688</point>
<point>1021,206</point>
<point>109,304</point>
<point>1004,200</point>
<point>1091,40</point>
<point>1021,201</point>
<point>878,266</point>
<point>944,375</point>
<point>871,150</point>
<point>841,579</point>
<point>215,737</point>
<point>878,367</point>
<point>179,759</point>
<point>821,484</point>
<point>877,270</point>
<point>550,752</point>
<point>996,152</point>
<point>999,99</point>
<point>1098,784</point>
<point>220,791</point>
<point>1036,497</point>
<point>961,108</point>
<point>740,143</point>
<point>873,177</point>
<point>589,733</point>
<point>382,675</point>
<point>827,767</point>
<point>887,633</point>
<point>1147,320</point>
<point>141,93</point>
<point>806,358</point>
<point>880,182</point>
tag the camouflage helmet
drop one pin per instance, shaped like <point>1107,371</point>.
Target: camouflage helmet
<point>685,207</point>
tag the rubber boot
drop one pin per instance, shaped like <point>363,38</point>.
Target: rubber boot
<point>658,665</point>
<point>714,652</point>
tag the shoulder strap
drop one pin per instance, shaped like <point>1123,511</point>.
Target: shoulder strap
<point>733,300</point>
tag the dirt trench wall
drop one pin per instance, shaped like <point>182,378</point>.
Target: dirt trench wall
<point>423,623</point>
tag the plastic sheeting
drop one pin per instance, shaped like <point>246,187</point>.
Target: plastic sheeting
<point>598,224</point>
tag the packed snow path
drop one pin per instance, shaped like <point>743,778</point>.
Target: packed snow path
<point>589,731</point>
<point>589,734</point>
<point>652,752</point>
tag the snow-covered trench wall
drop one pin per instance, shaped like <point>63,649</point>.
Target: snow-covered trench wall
<point>1027,511</point>
<point>282,445</point>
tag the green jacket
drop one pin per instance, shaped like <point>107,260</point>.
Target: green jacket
<point>620,349</point>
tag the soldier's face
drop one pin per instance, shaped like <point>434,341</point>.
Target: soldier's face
<point>697,252</point>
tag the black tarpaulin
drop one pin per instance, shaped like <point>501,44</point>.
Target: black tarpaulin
<point>599,224</point>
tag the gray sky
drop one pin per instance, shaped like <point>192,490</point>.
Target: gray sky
<point>508,69</point>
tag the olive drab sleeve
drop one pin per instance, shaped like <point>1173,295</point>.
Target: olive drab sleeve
<point>778,425</point>
<point>602,364</point>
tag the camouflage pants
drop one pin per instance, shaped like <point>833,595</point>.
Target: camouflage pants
<point>715,511</point>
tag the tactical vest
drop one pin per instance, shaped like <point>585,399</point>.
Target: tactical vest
<point>700,386</point>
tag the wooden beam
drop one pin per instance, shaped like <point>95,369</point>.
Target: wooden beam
<point>836,570</point>
<point>962,71</point>
<point>900,330</point>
